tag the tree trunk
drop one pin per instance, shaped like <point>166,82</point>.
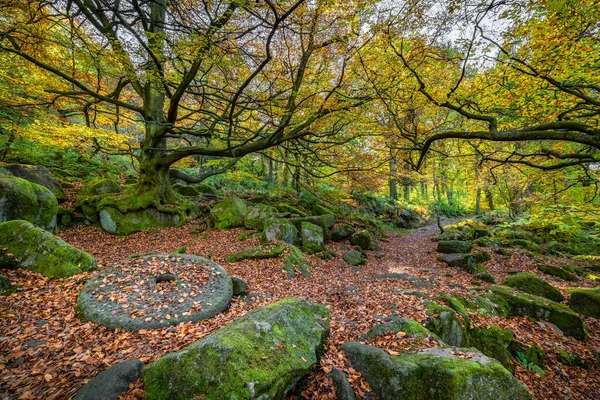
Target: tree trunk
<point>490,198</point>
<point>392,181</point>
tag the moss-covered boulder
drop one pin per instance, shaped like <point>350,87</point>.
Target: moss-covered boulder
<point>361,239</point>
<point>125,223</point>
<point>98,187</point>
<point>286,208</point>
<point>279,229</point>
<point>262,355</point>
<point>40,175</point>
<point>229,213</point>
<point>438,373</point>
<point>585,302</point>
<point>296,261</point>
<point>557,272</point>
<point>454,246</point>
<point>319,209</point>
<point>342,231</point>
<point>493,341</point>
<point>325,221</point>
<point>442,321</point>
<point>40,251</point>
<point>533,284</point>
<point>312,238</point>
<point>24,200</point>
<point>355,258</point>
<point>523,304</point>
<point>395,325</point>
<point>257,216</point>
<point>261,252</point>
<point>460,260</point>
<point>5,285</point>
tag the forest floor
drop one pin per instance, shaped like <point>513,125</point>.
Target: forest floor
<point>47,352</point>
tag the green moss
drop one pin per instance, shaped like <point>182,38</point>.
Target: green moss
<point>296,261</point>
<point>527,305</point>
<point>283,207</point>
<point>257,216</point>
<point>324,221</point>
<point>454,246</point>
<point>279,229</point>
<point>443,322</point>
<point>556,271</point>
<point>261,355</point>
<point>229,213</point>
<point>482,256</point>
<point>312,238</point>
<point>39,251</point>
<point>493,342</point>
<point>355,258</point>
<point>566,358</point>
<point>100,187</point>
<point>256,253</point>
<point>24,200</point>
<point>433,374</point>
<point>457,306</point>
<point>523,244</point>
<point>394,325</point>
<point>585,302</point>
<point>533,284</point>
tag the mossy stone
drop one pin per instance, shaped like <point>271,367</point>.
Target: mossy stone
<point>279,229</point>
<point>361,239</point>
<point>312,238</point>
<point>485,276</point>
<point>567,358</point>
<point>257,216</point>
<point>460,260</point>
<point>556,272</point>
<point>442,321</point>
<point>40,175</point>
<point>229,213</point>
<point>482,256</point>
<point>533,284</point>
<point>261,252</point>
<point>585,302</point>
<point>319,209</point>
<point>342,231</point>
<point>239,286</point>
<point>438,373</point>
<point>40,251</point>
<point>355,258</point>
<point>296,261</point>
<point>261,355</point>
<point>325,221</point>
<point>196,189</point>
<point>493,341</point>
<point>523,304</point>
<point>125,223</point>
<point>286,208</point>
<point>24,200</point>
<point>454,246</point>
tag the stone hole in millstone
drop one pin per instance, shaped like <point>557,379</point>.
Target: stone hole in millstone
<point>168,277</point>
<point>156,291</point>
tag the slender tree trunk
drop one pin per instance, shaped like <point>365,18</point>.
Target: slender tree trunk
<point>393,183</point>
<point>478,192</point>
<point>490,198</point>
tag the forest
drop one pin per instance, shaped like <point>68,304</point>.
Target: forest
<point>300,199</point>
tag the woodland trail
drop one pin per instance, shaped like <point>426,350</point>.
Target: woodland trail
<point>46,351</point>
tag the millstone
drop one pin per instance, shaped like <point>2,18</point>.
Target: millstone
<point>155,291</point>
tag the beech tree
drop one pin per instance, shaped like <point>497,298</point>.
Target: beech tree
<point>204,77</point>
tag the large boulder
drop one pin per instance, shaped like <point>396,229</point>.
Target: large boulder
<point>257,216</point>
<point>279,229</point>
<point>40,251</point>
<point>533,284</point>
<point>40,175</point>
<point>437,373</point>
<point>325,221</point>
<point>196,189</point>
<point>229,213</point>
<point>493,341</point>
<point>586,302</point>
<point>312,238</point>
<point>394,325</point>
<point>111,383</point>
<point>454,246</point>
<point>262,355</point>
<point>523,304</point>
<point>557,272</point>
<point>24,200</point>
<point>125,223</point>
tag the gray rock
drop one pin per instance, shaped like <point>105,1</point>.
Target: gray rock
<point>279,229</point>
<point>257,216</point>
<point>125,223</point>
<point>454,246</point>
<point>40,175</point>
<point>355,258</point>
<point>438,373</point>
<point>442,321</point>
<point>361,239</point>
<point>343,389</point>
<point>312,238</point>
<point>229,213</point>
<point>240,287</point>
<point>342,231</point>
<point>109,384</point>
